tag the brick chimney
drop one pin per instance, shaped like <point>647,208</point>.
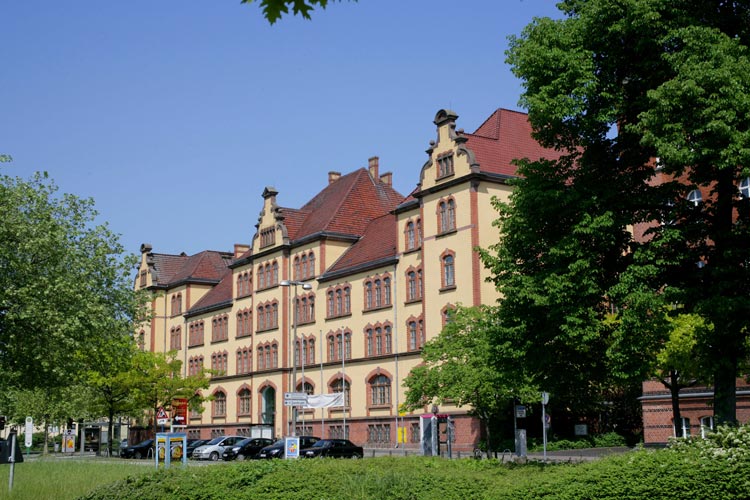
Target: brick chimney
<point>373,167</point>
<point>387,178</point>
<point>333,176</point>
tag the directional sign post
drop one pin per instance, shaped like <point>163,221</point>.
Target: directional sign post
<point>161,416</point>
<point>295,398</point>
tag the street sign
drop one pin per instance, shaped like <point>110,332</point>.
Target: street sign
<point>180,411</point>
<point>545,398</point>
<point>28,432</point>
<point>161,416</point>
<point>295,398</point>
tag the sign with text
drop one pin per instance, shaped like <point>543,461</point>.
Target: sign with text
<point>295,398</point>
<point>179,411</point>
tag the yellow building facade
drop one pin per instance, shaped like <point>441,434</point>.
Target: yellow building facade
<point>340,294</point>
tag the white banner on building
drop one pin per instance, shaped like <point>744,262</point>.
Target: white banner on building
<point>325,400</point>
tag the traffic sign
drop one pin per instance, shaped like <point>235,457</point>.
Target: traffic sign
<point>28,432</point>
<point>161,416</point>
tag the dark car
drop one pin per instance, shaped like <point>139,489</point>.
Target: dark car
<point>247,448</point>
<point>144,449</point>
<point>276,450</point>
<point>335,448</point>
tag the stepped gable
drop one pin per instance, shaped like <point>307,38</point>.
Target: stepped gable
<point>345,206</point>
<point>503,137</point>
<point>376,245</point>
<point>221,294</point>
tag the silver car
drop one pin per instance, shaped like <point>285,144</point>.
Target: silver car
<point>214,448</point>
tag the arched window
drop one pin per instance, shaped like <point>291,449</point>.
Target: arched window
<point>378,293</point>
<point>387,339</point>
<point>311,265</point>
<point>695,197</point>
<point>331,304</point>
<point>297,268</point>
<point>449,271</point>
<point>368,295</point>
<point>303,271</point>
<point>380,390</point>
<point>370,340</point>
<point>244,400</point>
<point>413,339</point>
<point>745,187</point>
<point>341,385</point>
<point>274,273</point>
<point>411,237</point>
<point>347,300</point>
<point>220,404</point>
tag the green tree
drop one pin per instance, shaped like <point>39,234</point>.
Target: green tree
<point>678,364</point>
<point>66,298</point>
<point>156,380</point>
<point>467,365</point>
<point>274,9</point>
<point>611,86</point>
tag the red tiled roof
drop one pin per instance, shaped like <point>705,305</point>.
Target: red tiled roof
<point>378,242</point>
<point>345,206</point>
<point>207,265</point>
<point>503,137</point>
<point>221,293</point>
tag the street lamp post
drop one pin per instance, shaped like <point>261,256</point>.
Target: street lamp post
<point>305,286</point>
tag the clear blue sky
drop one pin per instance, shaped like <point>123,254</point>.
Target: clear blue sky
<point>174,115</point>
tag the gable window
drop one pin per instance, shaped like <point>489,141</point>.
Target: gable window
<point>445,165</point>
<point>143,279</point>
<point>267,237</point>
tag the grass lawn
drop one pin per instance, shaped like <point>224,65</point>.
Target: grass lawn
<point>65,478</point>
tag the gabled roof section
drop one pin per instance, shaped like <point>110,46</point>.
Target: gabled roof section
<point>345,206</point>
<point>377,245</point>
<point>503,137</point>
<point>218,296</point>
<point>208,265</point>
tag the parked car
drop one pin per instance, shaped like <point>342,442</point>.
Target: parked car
<point>214,448</point>
<point>144,449</point>
<point>276,450</point>
<point>247,448</point>
<point>192,444</point>
<point>335,448</point>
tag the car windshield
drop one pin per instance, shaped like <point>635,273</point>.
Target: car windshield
<point>243,442</point>
<point>145,443</point>
<point>216,440</point>
<point>321,444</point>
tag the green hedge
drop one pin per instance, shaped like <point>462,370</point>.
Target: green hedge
<point>662,474</point>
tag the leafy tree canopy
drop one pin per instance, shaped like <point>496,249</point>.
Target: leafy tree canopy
<point>595,244</point>
<point>66,298</point>
<point>273,10</point>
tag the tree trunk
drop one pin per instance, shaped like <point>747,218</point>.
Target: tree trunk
<point>674,390</point>
<point>725,392</point>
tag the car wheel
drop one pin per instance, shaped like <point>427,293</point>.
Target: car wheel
<point>356,456</point>
<point>240,457</point>
<point>138,455</point>
<point>214,456</point>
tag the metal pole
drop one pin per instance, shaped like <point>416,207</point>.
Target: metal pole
<point>294,361</point>
<point>12,460</point>
<point>322,410</point>
<point>343,379</point>
<point>544,432</point>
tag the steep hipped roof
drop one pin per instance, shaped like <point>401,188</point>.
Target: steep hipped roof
<point>503,137</point>
<point>220,294</point>
<point>208,265</point>
<point>376,245</point>
<point>345,206</point>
